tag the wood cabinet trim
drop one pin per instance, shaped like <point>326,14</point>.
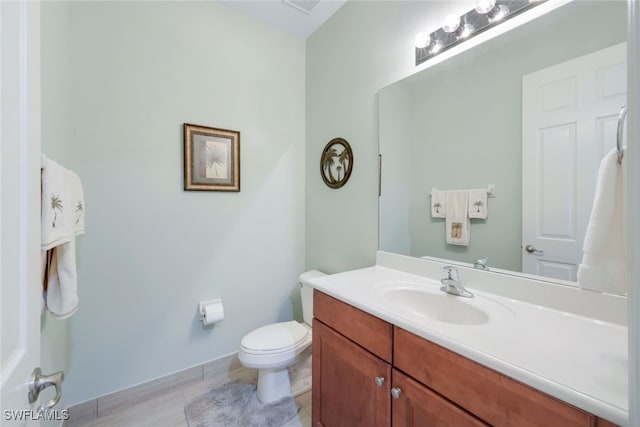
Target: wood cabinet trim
<point>417,404</point>
<point>370,332</point>
<point>490,395</point>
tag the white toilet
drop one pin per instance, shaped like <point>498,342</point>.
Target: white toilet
<point>273,348</point>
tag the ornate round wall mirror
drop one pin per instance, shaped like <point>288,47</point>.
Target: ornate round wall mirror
<point>336,163</point>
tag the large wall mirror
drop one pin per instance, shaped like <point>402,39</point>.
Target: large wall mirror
<point>459,125</point>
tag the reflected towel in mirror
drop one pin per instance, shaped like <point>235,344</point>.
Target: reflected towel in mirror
<point>603,266</point>
<point>438,204</point>
<point>478,203</point>
<point>457,221</point>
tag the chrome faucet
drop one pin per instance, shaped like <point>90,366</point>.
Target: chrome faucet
<point>481,264</point>
<point>452,284</point>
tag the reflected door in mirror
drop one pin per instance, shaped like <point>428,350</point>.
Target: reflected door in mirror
<point>569,118</point>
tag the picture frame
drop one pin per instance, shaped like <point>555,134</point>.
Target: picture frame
<point>336,163</point>
<point>211,159</point>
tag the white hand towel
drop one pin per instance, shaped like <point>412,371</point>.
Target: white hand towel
<point>62,218</point>
<point>603,266</point>
<point>76,194</point>
<point>478,203</point>
<point>56,220</point>
<point>62,283</point>
<point>438,204</point>
<point>457,222</point>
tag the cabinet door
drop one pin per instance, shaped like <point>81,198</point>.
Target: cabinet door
<point>345,391</point>
<point>489,395</point>
<point>414,405</point>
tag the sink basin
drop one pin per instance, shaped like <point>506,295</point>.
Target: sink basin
<point>428,302</point>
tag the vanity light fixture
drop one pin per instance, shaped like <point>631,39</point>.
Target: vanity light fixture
<point>422,40</point>
<point>494,12</point>
<point>485,6</point>
<point>456,29</point>
<point>453,24</point>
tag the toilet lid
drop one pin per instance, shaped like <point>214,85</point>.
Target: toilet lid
<point>275,337</point>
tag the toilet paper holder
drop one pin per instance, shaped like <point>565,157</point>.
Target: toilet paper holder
<point>203,304</point>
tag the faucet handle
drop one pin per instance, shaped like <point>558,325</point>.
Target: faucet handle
<point>450,270</point>
<point>481,264</point>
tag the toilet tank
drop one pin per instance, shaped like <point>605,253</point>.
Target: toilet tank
<point>306,294</point>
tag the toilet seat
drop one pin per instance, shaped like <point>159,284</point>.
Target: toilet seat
<point>277,338</point>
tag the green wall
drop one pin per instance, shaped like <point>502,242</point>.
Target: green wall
<point>364,47</point>
<point>136,71</point>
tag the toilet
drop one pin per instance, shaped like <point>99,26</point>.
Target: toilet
<point>272,349</point>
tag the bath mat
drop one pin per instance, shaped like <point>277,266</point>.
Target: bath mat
<point>236,404</point>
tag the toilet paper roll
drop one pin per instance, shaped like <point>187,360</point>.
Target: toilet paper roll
<point>212,313</point>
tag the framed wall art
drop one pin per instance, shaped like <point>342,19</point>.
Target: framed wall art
<point>211,159</point>
<point>336,163</point>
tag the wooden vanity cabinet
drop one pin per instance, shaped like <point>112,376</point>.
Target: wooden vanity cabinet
<point>353,377</point>
<point>417,406</point>
<point>366,372</point>
<point>345,392</point>
<point>491,396</point>
<point>351,385</point>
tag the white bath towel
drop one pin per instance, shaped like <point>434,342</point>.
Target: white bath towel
<point>603,266</point>
<point>61,295</point>
<point>438,204</point>
<point>478,203</point>
<point>457,222</point>
<point>62,218</point>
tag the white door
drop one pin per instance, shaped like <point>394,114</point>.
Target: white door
<point>569,122</point>
<point>20,288</point>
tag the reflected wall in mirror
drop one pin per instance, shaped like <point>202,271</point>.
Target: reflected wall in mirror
<point>459,124</point>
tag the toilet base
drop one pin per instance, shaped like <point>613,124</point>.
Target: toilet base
<point>273,384</point>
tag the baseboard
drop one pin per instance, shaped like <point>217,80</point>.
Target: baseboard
<point>86,412</point>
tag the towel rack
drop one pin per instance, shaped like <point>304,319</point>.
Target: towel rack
<point>491,190</point>
<point>619,147</point>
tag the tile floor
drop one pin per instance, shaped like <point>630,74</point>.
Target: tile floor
<point>168,410</point>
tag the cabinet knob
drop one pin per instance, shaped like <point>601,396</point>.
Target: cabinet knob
<point>395,392</point>
<point>379,381</point>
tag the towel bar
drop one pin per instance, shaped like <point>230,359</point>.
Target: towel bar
<point>621,116</point>
<point>491,190</point>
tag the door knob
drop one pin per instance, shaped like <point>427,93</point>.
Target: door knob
<point>39,382</point>
<point>532,250</point>
<point>396,392</point>
<point>379,381</point>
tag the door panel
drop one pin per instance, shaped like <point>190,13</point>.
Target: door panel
<point>20,287</point>
<point>569,120</point>
<point>417,406</point>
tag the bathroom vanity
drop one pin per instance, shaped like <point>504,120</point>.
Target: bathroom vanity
<point>384,353</point>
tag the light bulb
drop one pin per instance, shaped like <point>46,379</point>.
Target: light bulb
<point>497,13</point>
<point>484,6</point>
<point>422,40</point>
<point>451,23</point>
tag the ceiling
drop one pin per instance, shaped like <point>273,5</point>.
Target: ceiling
<point>301,17</point>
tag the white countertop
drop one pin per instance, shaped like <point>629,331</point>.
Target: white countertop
<point>577,359</point>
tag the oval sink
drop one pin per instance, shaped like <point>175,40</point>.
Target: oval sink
<point>429,302</point>
<point>442,307</point>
